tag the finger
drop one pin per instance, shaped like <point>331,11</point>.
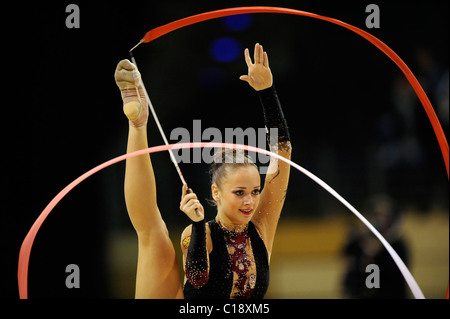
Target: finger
<point>245,78</point>
<point>248,60</point>
<point>193,209</point>
<point>256,54</point>
<point>197,206</point>
<point>192,205</point>
<point>188,197</point>
<point>199,211</point>
<point>261,54</point>
<point>266,60</point>
<point>191,193</point>
<point>183,191</point>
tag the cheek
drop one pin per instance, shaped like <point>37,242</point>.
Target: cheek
<point>231,203</point>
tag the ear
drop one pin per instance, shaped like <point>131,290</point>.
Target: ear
<point>215,192</point>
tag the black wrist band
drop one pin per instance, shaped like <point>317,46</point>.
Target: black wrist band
<point>196,267</point>
<point>273,114</point>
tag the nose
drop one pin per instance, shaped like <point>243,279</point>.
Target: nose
<point>248,200</point>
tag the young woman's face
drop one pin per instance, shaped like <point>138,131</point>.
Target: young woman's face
<point>239,195</point>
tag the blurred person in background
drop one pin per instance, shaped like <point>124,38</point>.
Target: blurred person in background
<point>363,248</point>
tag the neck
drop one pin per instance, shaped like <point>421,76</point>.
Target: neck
<point>228,225</point>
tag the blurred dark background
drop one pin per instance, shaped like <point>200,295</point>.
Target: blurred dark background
<point>354,119</point>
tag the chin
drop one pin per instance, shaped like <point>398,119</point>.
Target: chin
<point>246,217</point>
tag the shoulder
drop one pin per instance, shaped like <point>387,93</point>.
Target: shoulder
<point>186,238</point>
<point>188,230</point>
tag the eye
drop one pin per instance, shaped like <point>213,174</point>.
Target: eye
<point>239,193</point>
<point>256,192</point>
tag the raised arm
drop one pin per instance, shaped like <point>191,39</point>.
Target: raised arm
<point>277,178</point>
<point>273,195</point>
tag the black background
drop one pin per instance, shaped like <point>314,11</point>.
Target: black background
<point>62,115</point>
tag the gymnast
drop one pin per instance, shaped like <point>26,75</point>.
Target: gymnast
<point>227,257</point>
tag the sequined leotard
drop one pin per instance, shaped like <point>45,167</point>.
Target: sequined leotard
<point>238,263</point>
<point>225,266</point>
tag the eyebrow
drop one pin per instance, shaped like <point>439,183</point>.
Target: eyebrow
<point>243,187</point>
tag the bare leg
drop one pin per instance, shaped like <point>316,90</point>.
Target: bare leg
<point>157,270</point>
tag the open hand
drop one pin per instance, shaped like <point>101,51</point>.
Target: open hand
<point>259,75</point>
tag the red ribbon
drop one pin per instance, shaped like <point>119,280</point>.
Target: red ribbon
<point>442,140</point>
<point>153,34</point>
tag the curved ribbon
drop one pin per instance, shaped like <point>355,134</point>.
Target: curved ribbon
<point>153,34</point>
<point>442,140</point>
<point>25,250</point>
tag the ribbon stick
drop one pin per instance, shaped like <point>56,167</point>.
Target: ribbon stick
<point>153,34</point>
<point>25,250</point>
<point>437,128</point>
<point>442,140</point>
<point>158,124</point>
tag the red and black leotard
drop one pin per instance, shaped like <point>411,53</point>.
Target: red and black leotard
<point>223,267</point>
<point>228,260</point>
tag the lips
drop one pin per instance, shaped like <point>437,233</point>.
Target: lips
<point>246,211</point>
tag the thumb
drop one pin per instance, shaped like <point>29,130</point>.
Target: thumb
<point>245,78</point>
<point>183,191</point>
